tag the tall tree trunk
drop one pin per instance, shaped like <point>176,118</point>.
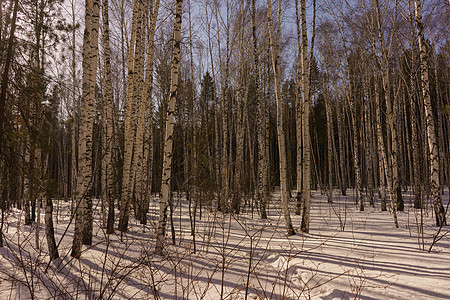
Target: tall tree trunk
<point>225,174</point>
<point>329,116</point>
<point>216,147</point>
<point>299,113</point>
<point>145,109</point>
<point>356,155</point>
<point>28,180</point>
<point>440,127</point>
<point>390,110</point>
<point>49,228</point>
<point>88,217</point>
<point>242,115</point>
<point>431,133</point>
<point>4,82</point>
<point>138,114</point>
<point>306,141</point>
<point>148,134</point>
<point>415,131</point>
<point>108,120</point>
<point>260,126</point>
<point>383,161</point>
<point>342,141</point>
<point>75,116</point>
<point>275,52</point>
<point>83,218</point>
<point>368,139</point>
<point>130,110</point>
<point>168,142</point>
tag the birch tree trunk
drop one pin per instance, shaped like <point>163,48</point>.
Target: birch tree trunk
<point>329,116</point>
<point>216,152</point>
<point>75,115</point>
<point>415,132</point>
<point>49,229</point>
<point>223,198</point>
<point>260,126</point>
<point>107,123</point>
<point>341,135</point>
<point>130,109</point>
<point>440,126</point>
<point>145,109</point>
<point>368,140</point>
<point>27,181</point>
<point>275,52</point>
<point>88,217</point>
<point>416,181</point>
<point>168,142</point>
<point>431,133</point>
<point>390,110</point>
<point>83,208</point>
<point>382,153</point>
<point>137,120</point>
<point>356,155</point>
<point>48,219</point>
<point>306,143</point>
<point>241,118</point>
<point>148,134</point>
<point>299,118</point>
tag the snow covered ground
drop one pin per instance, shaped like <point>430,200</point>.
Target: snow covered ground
<point>238,257</point>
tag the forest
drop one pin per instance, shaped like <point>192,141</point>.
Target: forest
<point>212,149</point>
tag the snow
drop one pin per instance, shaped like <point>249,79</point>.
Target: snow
<point>370,259</point>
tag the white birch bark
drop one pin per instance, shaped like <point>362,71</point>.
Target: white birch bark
<point>306,143</point>
<point>88,217</point>
<point>341,135</point>
<point>75,110</point>
<point>83,216</point>
<point>138,114</point>
<point>168,141</point>
<point>241,118</point>
<point>390,110</point>
<point>141,164</point>
<point>356,141</point>
<point>430,126</point>
<point>299,118</point>
<point>260,127</point>
<point>329,116</point>
<point>108,119</point>
<point>275,52</point>
<point>130,107</point>
<point>223,204</point>
<point>384,168</point>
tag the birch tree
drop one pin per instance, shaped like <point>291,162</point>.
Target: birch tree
<point>107,123</point>
<point>261,124</point>
<point>141,166</point>
<point>430,125</point>
<point>223,204</point>
<point>130,110</point>
<point>306,156</point>
<point>383,61</point>
<point>83,218</point>
<point>275,52</point>
<point>168,141</point>
<point>300,116</point>
<point>329,139</point>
